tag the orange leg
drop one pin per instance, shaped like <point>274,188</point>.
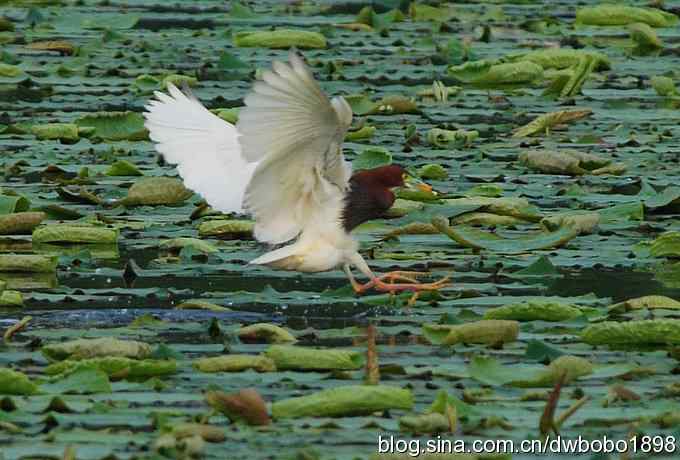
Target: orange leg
<point>407,280</point>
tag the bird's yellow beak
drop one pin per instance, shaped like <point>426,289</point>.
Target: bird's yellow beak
<point>414,183</point>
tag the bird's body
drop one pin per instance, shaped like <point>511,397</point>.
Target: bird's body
<point>282,164</point>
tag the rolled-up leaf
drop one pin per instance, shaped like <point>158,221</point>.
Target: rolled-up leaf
<point>198,304</point>
<point>534,310</point>
<point>154,191</point>
<point>433,422</point>
<point>176,244</point>
<point>280,39</point>
<point>20,222</point>
<point>117,366</point>
<point>265,332</point>
<point>54,131</point>
<point>94,348</point>
<point>644,36</point>
<point>621,15</point>
<point>414,228</point>
<point>16,383</point>
<point>648,301</point>
<point>487,219</point>
<point>235,363</point>
<point>433,171</point>
<point>305,358</point>
<point>66,233</point>
<point>666,245</point>
<point>633,333</point>
<point>366,132</point>
<point>344,401</point>
<point>123,168</point>
<point>28,263</point>
<point>663,86</point>
<point>227,229</point>
<point>491,73</point>
<point>491,332</point>
<point>11,299</point>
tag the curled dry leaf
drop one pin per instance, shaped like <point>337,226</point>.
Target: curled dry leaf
<point>246,405</point>
<point>265,332</point>
<point>544,123</point>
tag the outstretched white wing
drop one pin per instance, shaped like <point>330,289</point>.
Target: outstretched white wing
<point>204,147</point>
<point>291,127</point>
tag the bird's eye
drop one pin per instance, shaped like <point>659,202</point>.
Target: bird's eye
<point>404,176</point>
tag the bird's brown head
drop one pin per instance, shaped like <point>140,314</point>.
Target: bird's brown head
<point>370,195</point>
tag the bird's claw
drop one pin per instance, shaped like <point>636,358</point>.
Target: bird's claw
<point>408,283</point>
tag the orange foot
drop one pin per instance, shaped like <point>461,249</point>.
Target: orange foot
<point>407,280</point>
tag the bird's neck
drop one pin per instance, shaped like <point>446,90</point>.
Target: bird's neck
<point>365,200</point>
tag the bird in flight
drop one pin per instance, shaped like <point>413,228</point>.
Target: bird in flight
<point>283,164</point>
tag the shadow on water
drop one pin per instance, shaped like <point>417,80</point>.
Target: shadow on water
<point>619,285</point>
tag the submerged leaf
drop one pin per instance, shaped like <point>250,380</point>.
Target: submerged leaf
<point>344,401</point>
<point>478,239</point>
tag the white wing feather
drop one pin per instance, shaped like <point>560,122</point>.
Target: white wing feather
<point>204,147</point>
<point>296,133</point>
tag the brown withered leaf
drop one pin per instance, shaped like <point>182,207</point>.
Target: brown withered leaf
<point>246,405</point>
